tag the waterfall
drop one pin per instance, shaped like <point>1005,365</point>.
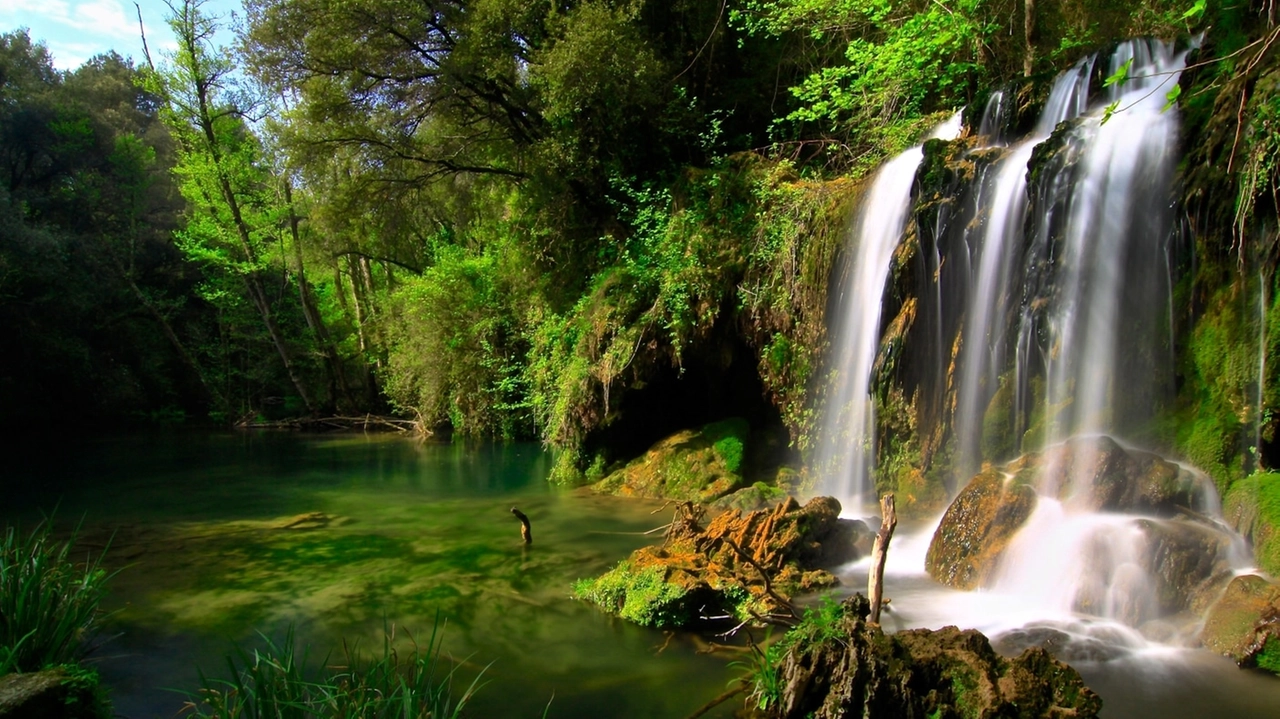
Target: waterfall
<point>847,446</point>
<point>1047,293</point>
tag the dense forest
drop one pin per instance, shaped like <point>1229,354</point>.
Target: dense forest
<point>590,223</point>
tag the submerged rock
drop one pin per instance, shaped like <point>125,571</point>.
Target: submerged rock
<point>977,527</point>
<point>739,565</point>
<point>691,465</point>
<point>1244,623</point>
<point>836,665</point>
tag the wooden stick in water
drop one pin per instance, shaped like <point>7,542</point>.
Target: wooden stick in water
<point>879,552</point>
<point>525,530</point>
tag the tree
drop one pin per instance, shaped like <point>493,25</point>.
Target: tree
<point>236,216</point>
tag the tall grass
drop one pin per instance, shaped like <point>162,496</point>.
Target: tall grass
<point>272,684</point>
<point>48,603</point>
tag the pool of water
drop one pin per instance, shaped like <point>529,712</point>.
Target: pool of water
<point>222,539</point>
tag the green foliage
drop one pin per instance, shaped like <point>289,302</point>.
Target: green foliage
<point>276,682</point>
<point>1269,657</point>
<point>455,353</point>
<point>642,596</point>
<point>763,674</point>
<point>48,603</point>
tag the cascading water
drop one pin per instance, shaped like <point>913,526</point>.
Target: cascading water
<point>1064,342</point>
<point>847,447</point>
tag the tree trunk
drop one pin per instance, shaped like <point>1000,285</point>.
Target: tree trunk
<point>333,364</point>
<point>1028,36</point>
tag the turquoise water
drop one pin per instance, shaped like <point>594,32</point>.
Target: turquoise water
<point>219,537</point>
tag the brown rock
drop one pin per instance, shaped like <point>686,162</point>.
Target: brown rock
<point>977,527</point>
<point>1241,622</point>
<point>1112,478</point>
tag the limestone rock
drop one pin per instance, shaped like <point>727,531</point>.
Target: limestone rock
<point>690,465</point>
<point>1245,622</point>
<point>1188,561</point>
<point>854,669</point>
<point>977,527</point>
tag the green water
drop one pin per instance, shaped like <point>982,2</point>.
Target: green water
<point>199,529</point>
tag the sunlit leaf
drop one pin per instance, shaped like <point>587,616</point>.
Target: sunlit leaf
<point>1119,77</point>
<point>1195,11</point>
<point>1109,111</point>
<point>1171,98</point>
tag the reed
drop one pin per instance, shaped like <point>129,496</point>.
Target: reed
<point>48,602</point>
<point>274,683</point>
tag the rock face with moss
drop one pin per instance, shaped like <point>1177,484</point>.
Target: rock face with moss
<point>739,565</point>
<point>1244,623</point>
<point>837,665</point>
<point>1252,507</point>
<point>691,465</point>
<point>977,527</point>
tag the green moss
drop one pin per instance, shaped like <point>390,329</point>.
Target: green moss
<point>1254,502</point>
<point>643,596</point>
<point>1269,657</point>
<point>728,438</point>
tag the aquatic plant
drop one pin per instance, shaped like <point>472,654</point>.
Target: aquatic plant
<point>273,682</point>
<point>48,602</point>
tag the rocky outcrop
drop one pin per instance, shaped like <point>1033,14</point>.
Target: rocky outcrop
<point>1090,474</point>
<point>1244,623</point>
<point>738,565</point>
<point>1104,476</point>
<point>691,465</point>
<point>51,694</point>
<point>977,527</point>
<point>839,666</point>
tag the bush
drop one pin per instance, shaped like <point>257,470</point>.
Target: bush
<point>48,603</point>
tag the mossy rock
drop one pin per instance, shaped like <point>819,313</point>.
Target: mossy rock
<point>846,667</point>
<point>58,693</point>
<point>690,465</point>
<point>749,499</point>
<point>1252,507</point>
<point>717,571</point>
<point>977,527</point>
<point>1244,623</point>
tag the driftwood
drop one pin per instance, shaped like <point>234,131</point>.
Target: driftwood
<point>333,424</point>
<point>526,530</point>
<point>879,552</point>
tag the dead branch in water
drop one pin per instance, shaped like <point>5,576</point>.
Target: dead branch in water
<point>879,553</point>
<point>339,424</point>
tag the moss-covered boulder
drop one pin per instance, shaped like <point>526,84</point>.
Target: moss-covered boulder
<point>1104,476</point>
<point>690,465</point>
<point>740,564</point>
<point>977,527</point>
<point>1244,623</point>
<point>836,665</point>
<point>1252,507</point>
<point>58,693</point>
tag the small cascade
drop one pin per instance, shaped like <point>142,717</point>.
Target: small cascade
<point>847,448</point>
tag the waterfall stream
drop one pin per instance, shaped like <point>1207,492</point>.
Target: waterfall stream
<point>1062,334</point>
<point>847,448</point>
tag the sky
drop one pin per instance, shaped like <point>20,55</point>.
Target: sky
<point>76,30</point>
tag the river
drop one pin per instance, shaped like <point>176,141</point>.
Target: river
<point>197,527</point>
<point>195,523</point>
